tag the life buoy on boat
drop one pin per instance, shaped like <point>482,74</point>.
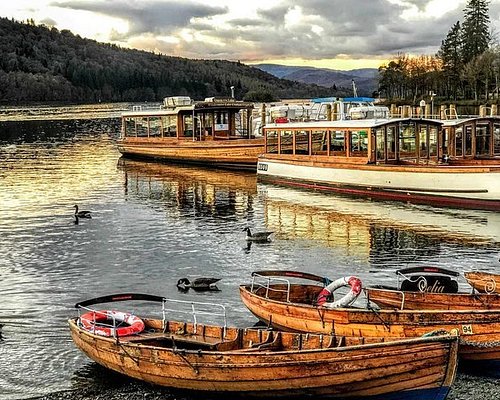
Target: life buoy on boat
<point>352,281</point>
<point>90,322</point>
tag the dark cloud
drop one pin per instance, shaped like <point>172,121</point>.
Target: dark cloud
<point>327,29</point>
<point>145,16</point>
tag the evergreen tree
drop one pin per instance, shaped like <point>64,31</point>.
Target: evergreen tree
<point>475,29</point>
<point>451,58</point>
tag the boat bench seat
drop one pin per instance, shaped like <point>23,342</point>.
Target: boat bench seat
<point>175,340</point>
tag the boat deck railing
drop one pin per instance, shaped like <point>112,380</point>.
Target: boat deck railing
<point>199,312</point>
<point>265,282</point>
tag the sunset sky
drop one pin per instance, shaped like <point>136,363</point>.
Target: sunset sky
<point>337,34</point>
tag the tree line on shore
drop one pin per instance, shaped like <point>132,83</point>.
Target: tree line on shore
<point>43,64</point>
<point>465,69</point>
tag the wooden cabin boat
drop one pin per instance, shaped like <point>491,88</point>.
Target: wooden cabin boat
<point>483,282</point>
<point>213,133</point>
<point>472,141</point>
<point>217,359</point>
<point>429,288</point>
<point>282,304</point>
<point>394,159</point>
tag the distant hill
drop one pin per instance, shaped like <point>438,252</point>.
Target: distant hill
<point>41,64</point>
<point>366,79</point>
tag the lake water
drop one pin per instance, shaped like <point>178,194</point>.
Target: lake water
<point>154,223</point>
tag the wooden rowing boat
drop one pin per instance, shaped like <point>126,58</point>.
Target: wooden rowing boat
<point>282,304</point>
<point>218,359</point>
<point>429,288</point>
<point>483,282</point>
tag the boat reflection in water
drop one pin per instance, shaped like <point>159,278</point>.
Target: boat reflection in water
<point>208,191</point>
<point>368,228</point>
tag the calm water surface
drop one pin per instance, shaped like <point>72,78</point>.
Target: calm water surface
<point>153,224</point>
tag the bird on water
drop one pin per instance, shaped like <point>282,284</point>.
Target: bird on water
<point>258,236</point>
<point>82,214</point>
<point>199,284</point>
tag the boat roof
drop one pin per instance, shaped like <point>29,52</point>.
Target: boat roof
<point>459,121</point>
<point>343,99</point>
<point>351,123</point>
<point>213,105</point>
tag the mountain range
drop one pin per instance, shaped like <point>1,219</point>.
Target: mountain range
<point>366,79</point>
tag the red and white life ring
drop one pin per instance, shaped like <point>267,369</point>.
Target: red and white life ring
<point>352,281</point>
<point>90,322</point>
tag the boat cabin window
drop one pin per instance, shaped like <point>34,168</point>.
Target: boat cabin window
<point>286,142</point>
<point>459,142</point>
<point>169,126</point>
<point>422,139</point>
<point>319,141</point>
<point>154,127</point>
<point>496,139</point>
<point>380,144</point>
<point>468,140</point>
<point>391,143</point>
<point>271,141</point>
<point>482,140</point>
<point>433,141</point>
<point>407,142</point>
<point>130,126</point>
<point>141,127</point>
<point>359,143</point>
<point>302,142</point>
<point>187,126</point>
<point>445,141</point>
<point>337,143</point>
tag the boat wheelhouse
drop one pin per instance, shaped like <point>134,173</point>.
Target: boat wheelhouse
<point>472,140</point>
<point>393,159</point>
<point>214,132</point>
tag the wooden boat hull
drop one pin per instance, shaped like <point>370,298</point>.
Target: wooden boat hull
<point>483,282</point>
<point>451,186</point>
<point>233,154</point>
<point>415,369</point>
<point>396,299</point>
<point>479,330</point>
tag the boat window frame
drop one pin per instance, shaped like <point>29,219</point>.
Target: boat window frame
<point>306,134</point>
<point>357,142</point>
<point>412,139</point>
<point>289,134</point>
<point>458,150</point>
<point>469,140</point>
<point>333,141</point>
<point>487,139</point>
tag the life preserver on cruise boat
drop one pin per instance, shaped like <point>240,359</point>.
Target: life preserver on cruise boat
<point>92,321</point>
<point>352,281</point>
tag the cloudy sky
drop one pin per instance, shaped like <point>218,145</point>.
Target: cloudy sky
<point>338,34</point>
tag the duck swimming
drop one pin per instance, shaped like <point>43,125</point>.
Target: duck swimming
<point>199,284</point>
<point>258,236</point>
<point>82,214</point>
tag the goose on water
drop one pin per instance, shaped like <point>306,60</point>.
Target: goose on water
<point>82,214</point>
<point>199,284</point>
<point>258,236</point>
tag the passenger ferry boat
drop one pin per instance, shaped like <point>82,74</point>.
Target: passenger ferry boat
<point>214,132</point>
<point>445,163</point>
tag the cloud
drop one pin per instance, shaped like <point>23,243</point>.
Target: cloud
<point>307,29</point>
<point>146,16</point>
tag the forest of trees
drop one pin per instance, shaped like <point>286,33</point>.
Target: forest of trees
<point>41,64</point>
<point>466,67</point>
